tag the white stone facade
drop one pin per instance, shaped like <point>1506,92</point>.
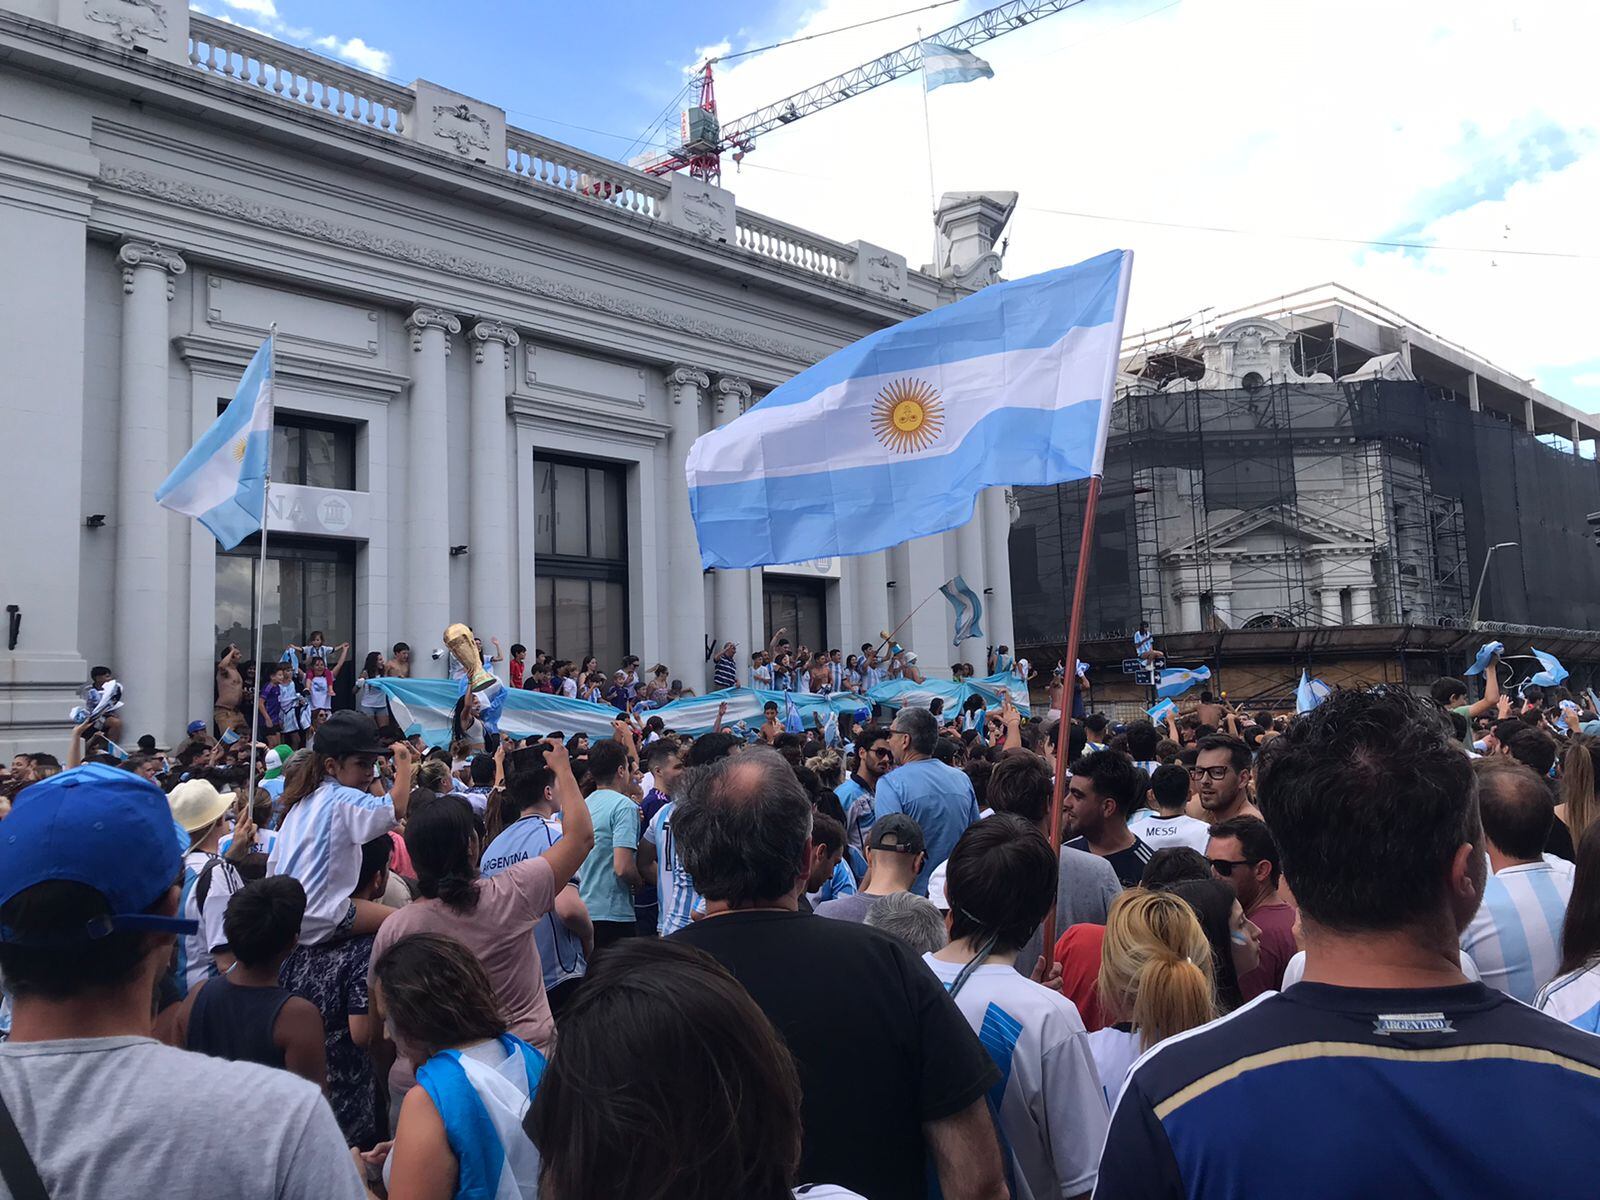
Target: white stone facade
<point>462,295</point>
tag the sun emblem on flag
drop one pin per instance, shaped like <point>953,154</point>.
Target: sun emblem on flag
<point>238,450</point>
<point>908,415</point>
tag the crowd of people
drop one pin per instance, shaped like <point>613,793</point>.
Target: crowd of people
<point>783,963</point>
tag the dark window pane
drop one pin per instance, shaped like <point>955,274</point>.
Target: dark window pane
<point>571,511</point>
<point>544,611</point>
<point>571,619</point>
<point>544,532</point>
<point>329,458</point>
<point>286,455</point>
<point>235,597</point>
<point>609,618</point>
<point>605,514</point>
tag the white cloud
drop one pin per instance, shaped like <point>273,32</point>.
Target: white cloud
<point>698,62</point>
<point>1589,379</point>
<point>1248,114</point>
<point>266,20</point>
<point>264,9</point>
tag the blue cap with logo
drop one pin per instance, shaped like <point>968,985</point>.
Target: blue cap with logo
<point>103,827</point>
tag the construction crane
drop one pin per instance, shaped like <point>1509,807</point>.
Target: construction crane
<point>703,140</point>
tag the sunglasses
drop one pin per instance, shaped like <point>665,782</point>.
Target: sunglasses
<point>1225,866</point>
<point>1217,773</point>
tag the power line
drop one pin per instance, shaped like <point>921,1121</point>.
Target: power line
<point>830,32</point>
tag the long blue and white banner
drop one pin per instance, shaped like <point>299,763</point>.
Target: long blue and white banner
<point>894,436</point>
<point>425,706</point>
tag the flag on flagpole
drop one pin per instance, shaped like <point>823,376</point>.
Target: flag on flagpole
<point>1175,681</point>
<point>945,64</point>
<point>1310,693</point>
<point>791,715</point>
<point>968,609</point>
<point>893,437</point>
<point>222,481</point>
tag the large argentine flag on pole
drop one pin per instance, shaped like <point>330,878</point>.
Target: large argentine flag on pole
<point>222,481</point>
<point>945,64</point>
<point>893,437</point>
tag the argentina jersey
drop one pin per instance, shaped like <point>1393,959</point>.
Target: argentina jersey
<point>1450,1091</point>
<point>560,951</point>
<point>1515,936</point>
<point>1574,998</point>
<point>674,888</point>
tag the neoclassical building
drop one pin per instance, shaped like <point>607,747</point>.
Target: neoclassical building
<point>494,352</point>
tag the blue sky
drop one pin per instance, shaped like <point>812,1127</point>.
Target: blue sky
<point>1232,144</point>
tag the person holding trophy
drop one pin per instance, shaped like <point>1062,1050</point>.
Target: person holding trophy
<point>476,722</point>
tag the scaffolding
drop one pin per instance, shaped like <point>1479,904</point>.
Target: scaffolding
<point>1280,505</point>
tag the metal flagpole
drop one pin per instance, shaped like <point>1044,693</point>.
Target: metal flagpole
<point>927,130</point>
<point>1068,695</point>
<point>261,564</point>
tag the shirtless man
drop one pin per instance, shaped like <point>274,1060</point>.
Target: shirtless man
<point>400,664</point>
<point>1209,711</point>
<point>226,713</point>
<point>1220,779</point>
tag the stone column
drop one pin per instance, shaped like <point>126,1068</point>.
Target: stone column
<point>1000,622</point>
<point>685,604</point>
<point>489,554</point>
<point>427,534</point>
<point>971,566</point>
<point>1189,611</point>
<point>928,630</point>
<point>1332,610</point>
<point>731,589</point>
<point>1472,393</point>
<point>1527,414</point>
<point>139,592</point>
<point>872,617</point>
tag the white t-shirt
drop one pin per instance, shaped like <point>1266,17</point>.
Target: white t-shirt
<point>321,696</point>
<point>319,843</point>
<point>1159,832</point>
<point>195,962</point>
<point>1115,1051</point>
<point>1053,1113</point>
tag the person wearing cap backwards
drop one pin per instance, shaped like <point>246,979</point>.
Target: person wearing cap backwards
<point>895,853</point>
<point>94,1105</point>
<point>333,805</point>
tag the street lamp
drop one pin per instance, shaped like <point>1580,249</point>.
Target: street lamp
<point>1472,618</point>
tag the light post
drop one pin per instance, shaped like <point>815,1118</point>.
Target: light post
<point>1477,595</point>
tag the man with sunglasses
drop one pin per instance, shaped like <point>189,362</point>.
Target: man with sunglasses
<point>1220,780</point>
<point>1244,855</point>
<point>874,759</point>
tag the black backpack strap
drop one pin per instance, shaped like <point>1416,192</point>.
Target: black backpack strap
<point>16,1164</point>
<point>202,885</point>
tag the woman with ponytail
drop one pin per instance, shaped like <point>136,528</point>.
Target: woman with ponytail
<point>494,918</point>
<point>1155,980</point>
<point>1580,779</point>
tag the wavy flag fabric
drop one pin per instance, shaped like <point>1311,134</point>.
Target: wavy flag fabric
<point>1310,693</point>
<point>1553,672</point>
<point>945,64</point>
<point>967,607</point>
<point>222,481</point>
<point>425,706</point>
<point>894,436</point>
<point>1485,653</point>
<point>1161,710</point>
<point>1175,681</point>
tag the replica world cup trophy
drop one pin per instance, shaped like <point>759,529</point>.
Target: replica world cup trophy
<point>463,646</point>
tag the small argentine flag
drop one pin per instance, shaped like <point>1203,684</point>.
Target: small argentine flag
<point>944,64</point>
<point>968,609</point>
<point>1175,681</point>
<point>1310,693</point>
<point>893,437</point>
<point>222,481</point>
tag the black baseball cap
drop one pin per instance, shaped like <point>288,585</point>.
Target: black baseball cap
<point>347,733</point>
<point>895,831</point>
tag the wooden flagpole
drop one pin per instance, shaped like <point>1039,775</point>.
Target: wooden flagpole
<point>1069,692</point>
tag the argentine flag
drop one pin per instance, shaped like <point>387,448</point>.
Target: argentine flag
<point>893,437</point>
<point>1310,693</point>
<point>1175,681</point>
<point>944,64</point>
<point>222,481</point>
<point>968,609</point>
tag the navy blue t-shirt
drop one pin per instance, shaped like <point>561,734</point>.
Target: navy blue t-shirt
<point>1332,1092</point>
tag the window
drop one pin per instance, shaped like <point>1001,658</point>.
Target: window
<point>313,453</point>
<point>309,585</point>
<point>580,560</point>
<point>798,605</point>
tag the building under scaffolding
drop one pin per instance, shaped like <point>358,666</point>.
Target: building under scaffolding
<point>1279,475</point>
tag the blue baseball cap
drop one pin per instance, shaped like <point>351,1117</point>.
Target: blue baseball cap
<point>196,727</point>
<point>103,827</point>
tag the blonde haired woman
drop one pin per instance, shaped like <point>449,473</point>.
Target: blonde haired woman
<point>1155,980</point>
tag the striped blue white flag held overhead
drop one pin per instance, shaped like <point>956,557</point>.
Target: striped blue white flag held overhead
<point>222,481</point>
<point>894,437</point>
